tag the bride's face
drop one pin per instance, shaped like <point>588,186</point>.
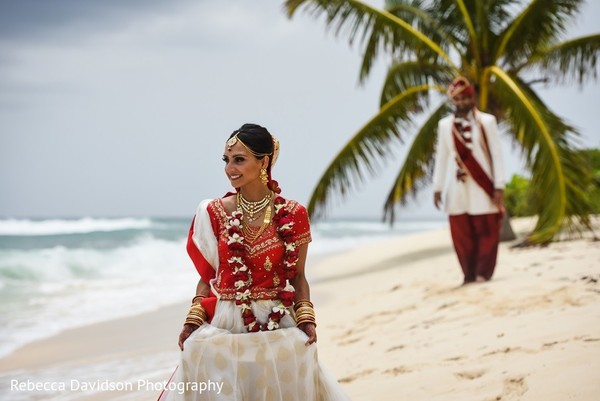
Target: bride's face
<point>241,167</point>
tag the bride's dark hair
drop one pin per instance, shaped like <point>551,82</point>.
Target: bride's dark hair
<point>260,141</point>
<point>257,138</point>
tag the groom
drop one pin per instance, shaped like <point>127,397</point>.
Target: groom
<point>469,150</point>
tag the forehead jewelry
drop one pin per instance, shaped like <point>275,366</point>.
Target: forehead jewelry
<point>234,139</point>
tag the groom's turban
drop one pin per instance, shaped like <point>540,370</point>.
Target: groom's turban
<point>460,85</point>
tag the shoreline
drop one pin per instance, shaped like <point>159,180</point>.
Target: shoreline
<point>71,333</point>
<point>393,319</point>
<point>71,346</point>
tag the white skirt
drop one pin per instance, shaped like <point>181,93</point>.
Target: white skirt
<point>222,363</point>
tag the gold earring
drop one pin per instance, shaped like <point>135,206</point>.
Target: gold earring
<point>263,176</point>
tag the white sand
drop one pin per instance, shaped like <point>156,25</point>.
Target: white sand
<point>407,331</point>
<point>394,324</point>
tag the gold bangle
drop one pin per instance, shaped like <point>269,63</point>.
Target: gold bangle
<point>310,313</point>
<point>193,320</point>
<point>304,313</point>
<point>303,302</point>
<point>197,307</point>
<point>202,316</point>
<point>197,299</point>
<point>196,315</point>
<point>305,318</point>
<point>306,321</point>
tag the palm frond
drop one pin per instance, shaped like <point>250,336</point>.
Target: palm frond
<point>378,28</point>
<point>573,59</point>
<point>493,41</point>
<point>546,144</point>
<point>577,172</point>
<point>474,40</point>
<point>539,25</point>
<point>410,11</point>
<point>366,149</point>
<point>490,20</point>
<point>415,13</point>
<point>452,20</point>
<point>482,25</point>
<point>417,169</point>
<point>498,13</point>
<point>404,75</point>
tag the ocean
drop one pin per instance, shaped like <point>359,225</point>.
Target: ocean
<point>57,274</point>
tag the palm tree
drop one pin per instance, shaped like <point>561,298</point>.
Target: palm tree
<point>505,47</point>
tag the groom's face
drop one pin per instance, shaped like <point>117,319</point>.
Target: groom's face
<point>463,103</point>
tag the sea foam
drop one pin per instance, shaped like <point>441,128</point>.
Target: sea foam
<point>27,227</point>
<point>65,288</point>
<point>71,273</point>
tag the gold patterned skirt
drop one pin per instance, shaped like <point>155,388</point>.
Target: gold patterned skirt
<point>221,362</point>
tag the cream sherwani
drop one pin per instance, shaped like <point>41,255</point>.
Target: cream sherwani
<point>468,197</point>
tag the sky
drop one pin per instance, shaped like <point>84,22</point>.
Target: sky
<point>122,108</point>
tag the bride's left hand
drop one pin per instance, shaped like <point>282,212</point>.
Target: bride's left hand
<point>311,331</point>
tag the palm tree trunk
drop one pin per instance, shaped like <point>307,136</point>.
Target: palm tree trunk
<point>506,231</point>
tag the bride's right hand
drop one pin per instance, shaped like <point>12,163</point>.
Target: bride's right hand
<point>185,333</point>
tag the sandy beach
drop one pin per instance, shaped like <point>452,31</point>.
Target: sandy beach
<point>394,324</point>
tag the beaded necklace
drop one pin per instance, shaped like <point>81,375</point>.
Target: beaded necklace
<point>251,208</point>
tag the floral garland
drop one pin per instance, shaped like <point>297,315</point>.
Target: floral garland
<point>463,126</point>
<point>464,129</point>
<point>242,275</point>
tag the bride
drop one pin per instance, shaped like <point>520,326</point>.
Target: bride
<point>250,332</point>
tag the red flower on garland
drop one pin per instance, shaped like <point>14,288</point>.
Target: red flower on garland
<point>243,278</point>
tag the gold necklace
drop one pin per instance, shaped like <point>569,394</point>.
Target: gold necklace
<point>250,208</point>
<point>251,233</point>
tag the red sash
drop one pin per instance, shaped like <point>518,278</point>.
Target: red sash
<point>470,163</point>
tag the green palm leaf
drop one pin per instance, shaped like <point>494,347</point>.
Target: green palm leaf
<point>473,35</point>
<point>555,172</point>
<point>383,29</point>
<point>575,59</point>
<point>404,75</point>
<point>366,148</point>
<point>540,24</point>
<point>415,13</point>
<point>495,42</point>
